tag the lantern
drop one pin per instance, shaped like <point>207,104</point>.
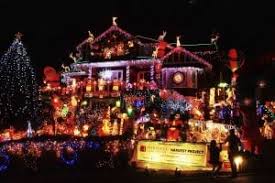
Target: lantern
<point>116,84</point>
<point>89,86</point>
<point>129,110</point>
<point>118,103</point>
<point>101,84</point>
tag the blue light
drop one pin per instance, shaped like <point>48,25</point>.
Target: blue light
<point>73,160</point>
<point>5,162</point>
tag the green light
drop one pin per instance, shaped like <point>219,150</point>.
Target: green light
<point>130,110</point>
<point>222,85</point>
<point>64,111</point>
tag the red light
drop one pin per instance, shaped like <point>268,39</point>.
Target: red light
<point>55,100</point>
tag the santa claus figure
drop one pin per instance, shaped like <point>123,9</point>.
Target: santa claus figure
<point>173,133</point>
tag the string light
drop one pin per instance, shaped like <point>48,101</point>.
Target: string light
<point>19,90</point>
<point>72,161</point>
<point>5,163</point>
<point>127,74</point>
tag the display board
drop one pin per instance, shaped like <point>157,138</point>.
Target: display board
<point>187,154</point>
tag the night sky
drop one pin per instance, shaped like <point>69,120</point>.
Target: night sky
<point>52,30</point>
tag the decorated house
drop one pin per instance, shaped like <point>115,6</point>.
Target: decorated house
<point>116,60</point>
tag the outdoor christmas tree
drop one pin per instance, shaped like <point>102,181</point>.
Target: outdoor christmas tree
<point>19,90</point>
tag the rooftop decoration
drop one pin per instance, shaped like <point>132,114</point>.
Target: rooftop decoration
<point>180,55</point>
<point>178,41</point>
<point>113,28</point>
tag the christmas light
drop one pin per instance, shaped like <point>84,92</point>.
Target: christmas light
<point>5,162</point>
<point>19,91</point>
<point>72,161</point>
<point>182,69</point>
<point>104,34</point>
<point>85,127</point>
<point>129,110</point>
<point>84,103</point>
<point>152,72</point>
<point>106,74</point>
<point>118,103</point>
<point>189,54</point>
<point>127,74</point>
<point>222,85</point>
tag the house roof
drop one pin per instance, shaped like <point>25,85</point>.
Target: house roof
<point>113,28</point>
<point>181,56</point>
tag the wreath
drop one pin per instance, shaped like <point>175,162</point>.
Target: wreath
<point>68,155</point>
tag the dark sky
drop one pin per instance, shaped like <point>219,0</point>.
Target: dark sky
<point>52,29</point>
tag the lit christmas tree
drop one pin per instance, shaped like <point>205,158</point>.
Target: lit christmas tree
<point>19,90</point>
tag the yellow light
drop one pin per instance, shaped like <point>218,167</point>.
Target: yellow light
<point>85,135</point>
<point>88,88</point>
<point>48,87</point>
<point>76,132</point>
<point>113,109</point>
<point>86,127</point>
<point>238,160</point>
<point>73,101</point>
<point>100,88</point>
<point>118,103</point>
<point>84,102</point>
<point>222,85</point>
<point>115,88</point>
<point>74,83</point>
<point>124,115</point>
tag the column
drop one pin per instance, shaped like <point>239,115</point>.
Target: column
<point>127,74</point>
<point>152,72</point>
<point>90,72</point>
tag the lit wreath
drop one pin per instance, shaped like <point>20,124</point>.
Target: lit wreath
<point>178,77</point>
<point>72,161</point>
<point>4,164</point>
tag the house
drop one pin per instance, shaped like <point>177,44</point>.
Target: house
<point>117,59</point>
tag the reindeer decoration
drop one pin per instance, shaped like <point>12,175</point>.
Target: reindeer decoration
<point>162,36</point>
<point>114,21</point>
<point>214,38</point>
<point>66,68</point>
<point>155,52</point>
<point>91,37</point>
<point>178,41</point>
<point>73,57</point>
